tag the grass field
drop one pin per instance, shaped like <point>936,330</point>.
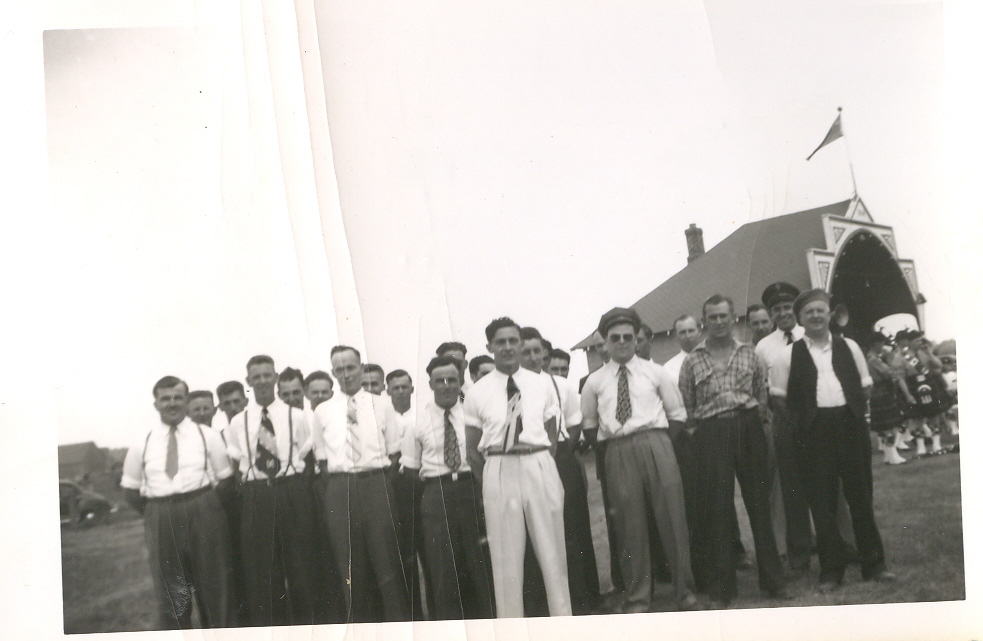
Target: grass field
<point>107,587</point>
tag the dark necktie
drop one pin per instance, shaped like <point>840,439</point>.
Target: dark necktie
<point>170,466</point>
<point>513,414</point>
<point>623,410</point>
<point>452,450</point>
<point>266,451</point>
<point>788,338</point>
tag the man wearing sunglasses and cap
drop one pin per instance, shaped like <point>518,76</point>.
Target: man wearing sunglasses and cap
<point>631,401</point>
<point>824,381</point>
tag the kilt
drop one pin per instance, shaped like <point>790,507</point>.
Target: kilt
<point>930,395</point>
<point>885,412</point>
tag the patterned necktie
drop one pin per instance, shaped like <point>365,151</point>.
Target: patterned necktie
<point>788,338</point>
<point>623,410</point>
<point>452,450</point>
<point>352,414</point>
<point>513,414</point>
<point>171,465</point>
<point>266,451</point>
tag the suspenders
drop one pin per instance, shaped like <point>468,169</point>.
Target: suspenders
<point>560,421</point>
<point>204,446</point>
<point>290,450</point>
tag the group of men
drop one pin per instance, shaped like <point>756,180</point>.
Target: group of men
<point>305,504</point>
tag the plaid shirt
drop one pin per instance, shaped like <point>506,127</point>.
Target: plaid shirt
<point>706,394</point>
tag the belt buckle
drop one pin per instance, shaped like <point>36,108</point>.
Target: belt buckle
<point>454,476</point>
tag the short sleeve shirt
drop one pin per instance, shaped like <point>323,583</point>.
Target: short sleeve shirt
<point>486,403</point>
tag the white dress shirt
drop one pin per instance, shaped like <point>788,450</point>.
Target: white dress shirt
<point>568,399</point>
<point>829,392</point>
<point>363,447</point>
<point>292,432</point>
<point>144,468</point>
<point>486,403</point>
<point>654,396</point>
<point>769,349</point>
<point>673,365</point>
<point>423,442</point>
<point>397,425</point>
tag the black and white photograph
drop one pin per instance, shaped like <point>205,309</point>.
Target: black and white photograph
<point>475,321</point>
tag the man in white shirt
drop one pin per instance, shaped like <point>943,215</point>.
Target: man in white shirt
<point>510,416</point>
<point>231,400</point>
<point>350,443</point>
<point>688,333</point>
<point>318,387</point>
<point>631,401</point>
<point>373,379</point>
<point>459,352</point>
<point>278,522</point>
<point>174,475</point>
<point>435,449</point>
<point>408,488</point>
<point>585,594</point>
<point>559,364</point>
<point>823,382</point>
<point>778,298</point>
<point>201,407</point>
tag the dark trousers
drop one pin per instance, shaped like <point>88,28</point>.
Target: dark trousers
<point>723,447</point>
<point>585,591</point>
<point>408,491</point>
<point>798,528</point>
<point>361,518</point>
<point>279,544</point>
<point>233,514</point>
<point>617,583</point>
<point>682,444</point>
<point>457,562</point>
<point>188,541</point>
<point>836,449</point>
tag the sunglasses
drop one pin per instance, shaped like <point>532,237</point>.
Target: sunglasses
<point>621,338</point>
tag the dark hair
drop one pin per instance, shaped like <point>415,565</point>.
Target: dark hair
<point>341,348</point>
<point>559,353</point>
<point>451,346</point>
<point>260,359</point>
<point>168,382</point>
<point>754,307</point>
<point>498,324</point>
<point>477,362</point>
<point>396,373</point>
<point>717,299</point>
<point>443,361</point>
<point>201,393</point>
<point>547,346</point>
<point>529,333</point>
<point>317,375</point>
<point>229,387</point>
<point>877,338</point>
<point>290,374</point>
<point>368,368</point>
<point>645,329</point>
<point>685,317</point>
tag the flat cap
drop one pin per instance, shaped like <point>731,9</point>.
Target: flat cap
<point>779,292</point>
<point>807,297</point>
<point>618,315</point>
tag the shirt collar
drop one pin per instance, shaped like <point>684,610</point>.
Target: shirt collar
<point>631,365</point>
<point>810,343</point>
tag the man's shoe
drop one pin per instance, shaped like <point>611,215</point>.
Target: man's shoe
<point>781,594</point>
<point>689,604</point>
<point>884,577</point>
<point>827,586</point>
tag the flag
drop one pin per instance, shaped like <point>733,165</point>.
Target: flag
<point>835,131</point>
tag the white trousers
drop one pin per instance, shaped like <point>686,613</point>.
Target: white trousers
<point>523,491</point>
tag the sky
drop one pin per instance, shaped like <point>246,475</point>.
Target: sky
<point>537,160</point>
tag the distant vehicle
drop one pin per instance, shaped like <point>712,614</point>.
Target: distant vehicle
<point>81,507</point>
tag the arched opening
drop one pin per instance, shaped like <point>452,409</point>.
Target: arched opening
<point>867,279</point>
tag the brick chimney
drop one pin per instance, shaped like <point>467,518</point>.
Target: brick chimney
<point>694,242</point>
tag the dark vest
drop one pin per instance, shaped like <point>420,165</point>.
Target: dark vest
<point>803,377</point>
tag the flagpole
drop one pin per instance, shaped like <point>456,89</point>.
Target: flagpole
<point>849,162</point>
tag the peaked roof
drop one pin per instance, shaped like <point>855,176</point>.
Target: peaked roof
<point>740,266</point>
